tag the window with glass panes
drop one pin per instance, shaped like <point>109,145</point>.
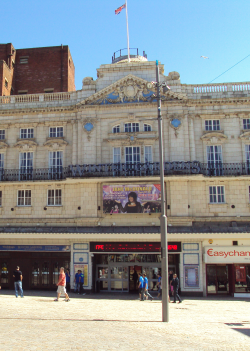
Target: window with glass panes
<point>2,134</point>
<point>117,154</point>
<point>26,133</point>
<point>147,128</point>
<point>148,154</point>
<point>1,162</point>
<point>216,194</point>
<point>116,129</point>
<point>54,197</point>
<point>212,124</point>
<point>246,123</point>
<point>0,197</point>
<point>214,155</point>
<point>132,154</point>
<point>25,161</point>
<point>24,198</point>
<point>56,132</point>
<point>131,127</point>
<point>55,159</point>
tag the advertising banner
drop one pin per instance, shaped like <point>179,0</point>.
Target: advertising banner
<point>136,198</point>
<point>227,254</point>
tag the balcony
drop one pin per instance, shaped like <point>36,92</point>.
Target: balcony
<point>125,170</point>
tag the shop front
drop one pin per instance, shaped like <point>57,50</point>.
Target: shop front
<point>227,270</point>
<point>116,265</point>
<point>40,264</point>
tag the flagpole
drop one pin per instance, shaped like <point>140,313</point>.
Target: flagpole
<point>127,31</point>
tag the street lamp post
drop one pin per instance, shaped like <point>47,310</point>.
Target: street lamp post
<point>163,219</point>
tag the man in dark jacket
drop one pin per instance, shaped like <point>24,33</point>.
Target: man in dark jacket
<point>175,284</point>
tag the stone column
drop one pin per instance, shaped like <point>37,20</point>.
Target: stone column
<point>80,146</point>
<point>186,139</point>
<point>74,144</point>
<point>191,139</point>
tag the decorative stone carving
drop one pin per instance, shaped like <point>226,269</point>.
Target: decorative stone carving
<point>25,144</point>
<point>175,123</point>
<point>55,143</point>
<point>245,136</point>
<point>126,90</point>
<point>3,144</point>
<point>88,126</point>
<point>214,137</point>
<point>88,81</point>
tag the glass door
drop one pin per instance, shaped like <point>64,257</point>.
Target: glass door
<point>217,279</point>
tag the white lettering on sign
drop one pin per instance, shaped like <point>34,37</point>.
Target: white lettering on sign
<point>226,254</point>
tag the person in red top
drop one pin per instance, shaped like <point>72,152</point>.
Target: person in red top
<point>61,285</point>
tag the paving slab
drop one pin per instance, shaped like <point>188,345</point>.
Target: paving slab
<point>121,322</point>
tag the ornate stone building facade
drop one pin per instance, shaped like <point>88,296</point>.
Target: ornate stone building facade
<point>69,163</point>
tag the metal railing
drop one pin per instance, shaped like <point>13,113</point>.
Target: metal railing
<point>125,170</point>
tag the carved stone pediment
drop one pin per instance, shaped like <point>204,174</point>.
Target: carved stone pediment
<point>214,137</point>
<point>128,90</point>
<point>3,144</point>
<point>25,144</point>
<point>245,136</point>
<point>55,143</point>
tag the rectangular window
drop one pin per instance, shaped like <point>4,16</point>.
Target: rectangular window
<point>55,197</point>
<point>0,197</point>
<point>2,134</point>
<point>26,133</point>
<point>24,198</point>
<point>24,59</point>
<point>117,154</point>
<point>55,164</point>
<point>131,127</point>
<point>25,165</point>
<point>246,123</point>
<point>56,132</point>
<point>148,154</point>
<point>147,128</point>
<point>132,154</point>
<point>212,124</point>
<point>116,129</point>
<point>216,194</point>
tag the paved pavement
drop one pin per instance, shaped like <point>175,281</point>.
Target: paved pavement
<point>121,322</point>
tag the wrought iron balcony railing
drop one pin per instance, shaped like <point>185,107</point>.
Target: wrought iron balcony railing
<point>125,170</point>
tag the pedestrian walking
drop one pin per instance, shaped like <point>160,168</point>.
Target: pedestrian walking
<point>18,278</point>
<point>77,283</point>
<point>61,286</point>
<point>175,284</point>
<point>159,285</point>
<point>146,293</point>
<point>67,274</point>
<point>141,287</point>
<point>81,280</point>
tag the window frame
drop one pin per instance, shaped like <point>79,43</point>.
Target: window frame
<point>145,126</point>
<point>28,131</point>
<point>132,126</point>
<point>116,154</point>
<point>246,122</point>
<point>148,146</point>
<point>217,194</point>
<point>213,126</point>
<point>2,130</point>
<point>1,198</point>
<point>118,126</point>
<point>56,132</point>
<point>25,197</point>
<point>54,197</point>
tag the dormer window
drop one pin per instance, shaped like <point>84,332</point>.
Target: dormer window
<point>56,132</point>
<point>26,133</point>
<point>246,123</point>
<point>212,124</point>
<point>147,128</point>
<point>131,127</point>
<point>116,129</point>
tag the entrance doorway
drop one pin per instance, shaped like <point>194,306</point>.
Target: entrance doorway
<point>217,279</point>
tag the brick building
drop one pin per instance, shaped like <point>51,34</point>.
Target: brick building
<point>69,161</point>
<point>36,70</point>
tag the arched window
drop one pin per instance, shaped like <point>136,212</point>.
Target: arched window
<point>147,128</point>
<point>116,129</point>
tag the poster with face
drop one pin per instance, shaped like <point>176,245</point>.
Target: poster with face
<point>139,198</point>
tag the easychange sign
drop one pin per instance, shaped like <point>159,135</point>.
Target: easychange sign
<point>227,254</point>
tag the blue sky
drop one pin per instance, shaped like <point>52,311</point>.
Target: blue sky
<point>176,33</point>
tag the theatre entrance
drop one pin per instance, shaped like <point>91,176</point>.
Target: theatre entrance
<point>40,269</point>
